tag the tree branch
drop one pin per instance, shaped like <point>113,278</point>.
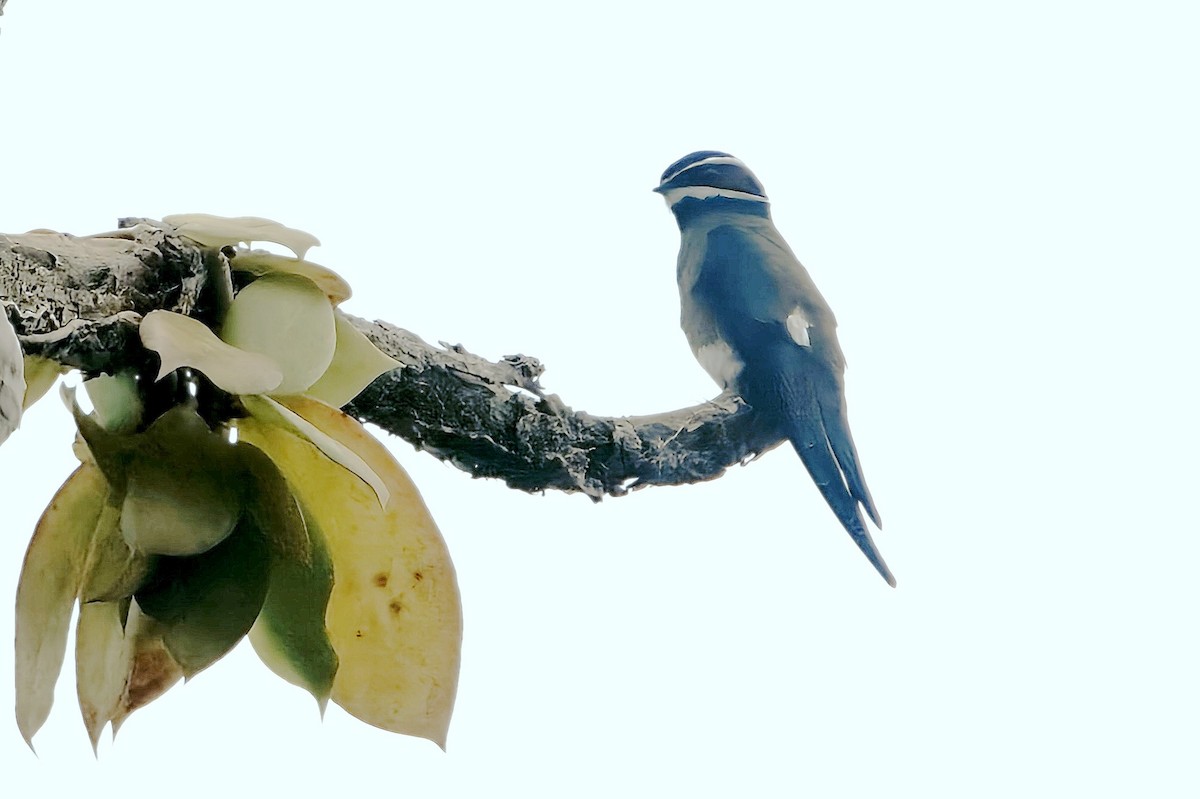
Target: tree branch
<point>78,300</point>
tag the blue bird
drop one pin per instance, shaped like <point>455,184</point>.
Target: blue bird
<point>758,325</point>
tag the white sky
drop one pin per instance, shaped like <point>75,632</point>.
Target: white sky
<point>1001,205</point>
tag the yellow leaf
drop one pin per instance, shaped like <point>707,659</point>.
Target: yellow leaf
<point>47,590</point>
<point>218,231</point>
<point>112,571</point>
<point>356,363</point>
<point>182,341</point>
<point>275,413</point>
<point>289,320</point>
<point>261,262</point>
<point>394,616</point>
<point>40,374</point>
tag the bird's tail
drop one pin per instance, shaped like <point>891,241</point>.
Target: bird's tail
<point>832,405</point>
<point>823,449</point>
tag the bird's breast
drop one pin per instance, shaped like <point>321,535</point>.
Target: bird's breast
<point>719,360</point>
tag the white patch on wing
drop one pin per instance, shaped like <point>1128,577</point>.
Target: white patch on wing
<point>719,361</point>
<point>797,327</point>
<point>704,192</point>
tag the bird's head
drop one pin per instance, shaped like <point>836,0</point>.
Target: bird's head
<point>711,180</point>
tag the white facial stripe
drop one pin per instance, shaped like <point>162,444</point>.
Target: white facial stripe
<point>705,192</point>
<point>716,159</point>
<point>797,327</point>
<point>719,361</point>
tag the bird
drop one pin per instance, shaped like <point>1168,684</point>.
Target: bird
<point>758,325</point>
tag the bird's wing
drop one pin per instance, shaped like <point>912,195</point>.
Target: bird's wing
<point>760,299</point>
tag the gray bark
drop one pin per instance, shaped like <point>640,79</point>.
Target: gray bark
<point>78,300</point>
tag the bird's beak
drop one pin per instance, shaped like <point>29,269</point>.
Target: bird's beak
<point>657,189</point>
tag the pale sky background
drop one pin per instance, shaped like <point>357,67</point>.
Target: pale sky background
<point>1001,204</point>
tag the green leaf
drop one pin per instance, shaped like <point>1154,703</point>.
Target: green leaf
<point>268,498</point>
<point>206,603</point>
<point>47,590</point>
<point>182,496</point>
<point>182,341</point>
<point>356,363</point>
<point>290,635</point>
<point>110,451</point>
<point>117,401</point>
<point>179,483</point>
<point>289,320</point>
<point>261,262</point>
<point>218,231</point>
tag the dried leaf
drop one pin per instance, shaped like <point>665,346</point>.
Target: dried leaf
<point>103,656</point>
<point>261,262</point>
<point>182,341</point>
<point>289,320</point>
<point>218,231</point>
<point>206,603</point>
<point>394,616</point>
<point>356,363</point>
<point>121,664</point>
<point>47,590</point>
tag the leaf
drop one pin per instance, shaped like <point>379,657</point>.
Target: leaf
<point>121,664</point>
<point>182,494</point>
<point>47,590</point>
<point>112,570</point>
<point>261,262</point>
<point>218,231</point>
<point>356,363</point>
<point>289,320</point>
<point>206,603</point>
<point>103,657</point>
<point>182,341</point>
<point>394,616</point>
<point>12,379</point>
<point>268,498</point>
<point>40,374</point>
<point>277,414</point>
<point>110,451</point>
<point>116,400</point>
<point>290,635</point>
